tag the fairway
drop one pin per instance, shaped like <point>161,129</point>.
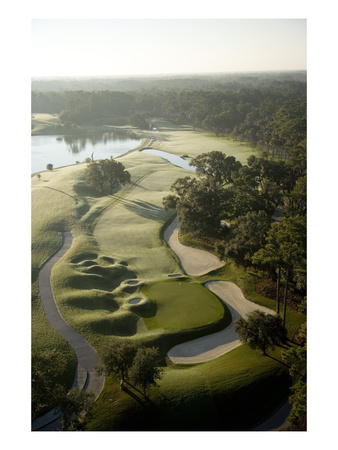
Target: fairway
<point>181,305</point>
<point>116,281</point>
<point>131,229</point>
<point>184,140</point>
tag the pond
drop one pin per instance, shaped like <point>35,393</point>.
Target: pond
<point>66,150</point>
<point>174,159</point>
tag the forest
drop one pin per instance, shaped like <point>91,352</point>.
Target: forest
<point>268,111</point>
<point>254,214</point>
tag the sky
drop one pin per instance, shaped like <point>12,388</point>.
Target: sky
<point>115,47</point>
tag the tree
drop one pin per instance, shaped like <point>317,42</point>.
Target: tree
<point>144,371</point>
<point>118,358</point>
<point>47,367</point>
<point>106,171</point>
<point>95,176</point>
<point>73,406</point>
<point>248,236</point>
<point>291,239</point>
<point>48,393</point>
<point>296,359</point>
<point>114,173</point>
<point>261,330</point>
<point>270,257</point>
<point>217,166</point>
<point>49,167</point>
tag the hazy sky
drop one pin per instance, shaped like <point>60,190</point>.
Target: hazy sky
<point>110,47</point>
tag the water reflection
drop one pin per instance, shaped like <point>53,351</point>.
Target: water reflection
<point>77,143</point>
<point>65,150</point>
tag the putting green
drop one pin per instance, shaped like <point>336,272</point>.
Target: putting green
<point>182,305</point>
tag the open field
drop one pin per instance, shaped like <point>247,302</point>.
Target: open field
<point>117,254</point>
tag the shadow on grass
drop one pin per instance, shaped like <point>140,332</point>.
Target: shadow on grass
<point>137,395</point>
<point>286,346</point>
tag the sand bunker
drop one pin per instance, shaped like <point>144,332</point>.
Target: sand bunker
<point>214,345</point>
<point>199,262</point>
<point>194,262</point>
<point>135,301</point>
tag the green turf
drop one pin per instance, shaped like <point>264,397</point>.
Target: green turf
<point>181,305</point>
<point>183,140</point>
<point>220,395</point>
<point>117,239</point>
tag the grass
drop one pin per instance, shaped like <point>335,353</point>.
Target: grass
<point>117,238</point>
<point>183,140</point>
<point>45,124</point>
<point>220,395</point>
<point>182,305</point>
<point>50,124</point>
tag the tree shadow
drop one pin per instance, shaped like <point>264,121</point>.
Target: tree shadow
<point>138,395</point>
<point>144,209</point>
<point>134,396</point>
<point>277,360</point>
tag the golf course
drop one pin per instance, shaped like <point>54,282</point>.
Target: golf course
<point>126,276</point>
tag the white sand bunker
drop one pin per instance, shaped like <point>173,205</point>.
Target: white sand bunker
<point>194,261</point>
<point>135,301</point>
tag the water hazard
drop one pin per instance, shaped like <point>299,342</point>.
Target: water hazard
<point>66,150</point>
<point>174,159</point>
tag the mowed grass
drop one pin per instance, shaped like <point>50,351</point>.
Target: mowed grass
<point>131,230</point>
<point>183,140</point>
<point>182,305</point>
<point>43,123</point>
<point>225,394</point>
<point>115,239</point>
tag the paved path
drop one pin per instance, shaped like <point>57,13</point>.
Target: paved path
<point>87,358</point>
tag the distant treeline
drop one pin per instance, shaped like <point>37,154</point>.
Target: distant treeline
<point>200,81</point>
<point>269,111</point>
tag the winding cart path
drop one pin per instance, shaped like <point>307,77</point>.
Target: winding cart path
<point>86,377</point>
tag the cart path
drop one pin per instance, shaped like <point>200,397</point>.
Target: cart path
<point>213,345</point>
<point>87,358</point>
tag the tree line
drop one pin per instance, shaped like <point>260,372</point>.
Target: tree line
<point>236,205</point>
<point>271,113</point>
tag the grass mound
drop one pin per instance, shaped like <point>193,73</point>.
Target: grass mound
<point>83,258</point>
<point>119,324</point>
<point>94,300</point>
<point>182,305</point>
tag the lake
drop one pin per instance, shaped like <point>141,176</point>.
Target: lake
<point>66,150</point>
